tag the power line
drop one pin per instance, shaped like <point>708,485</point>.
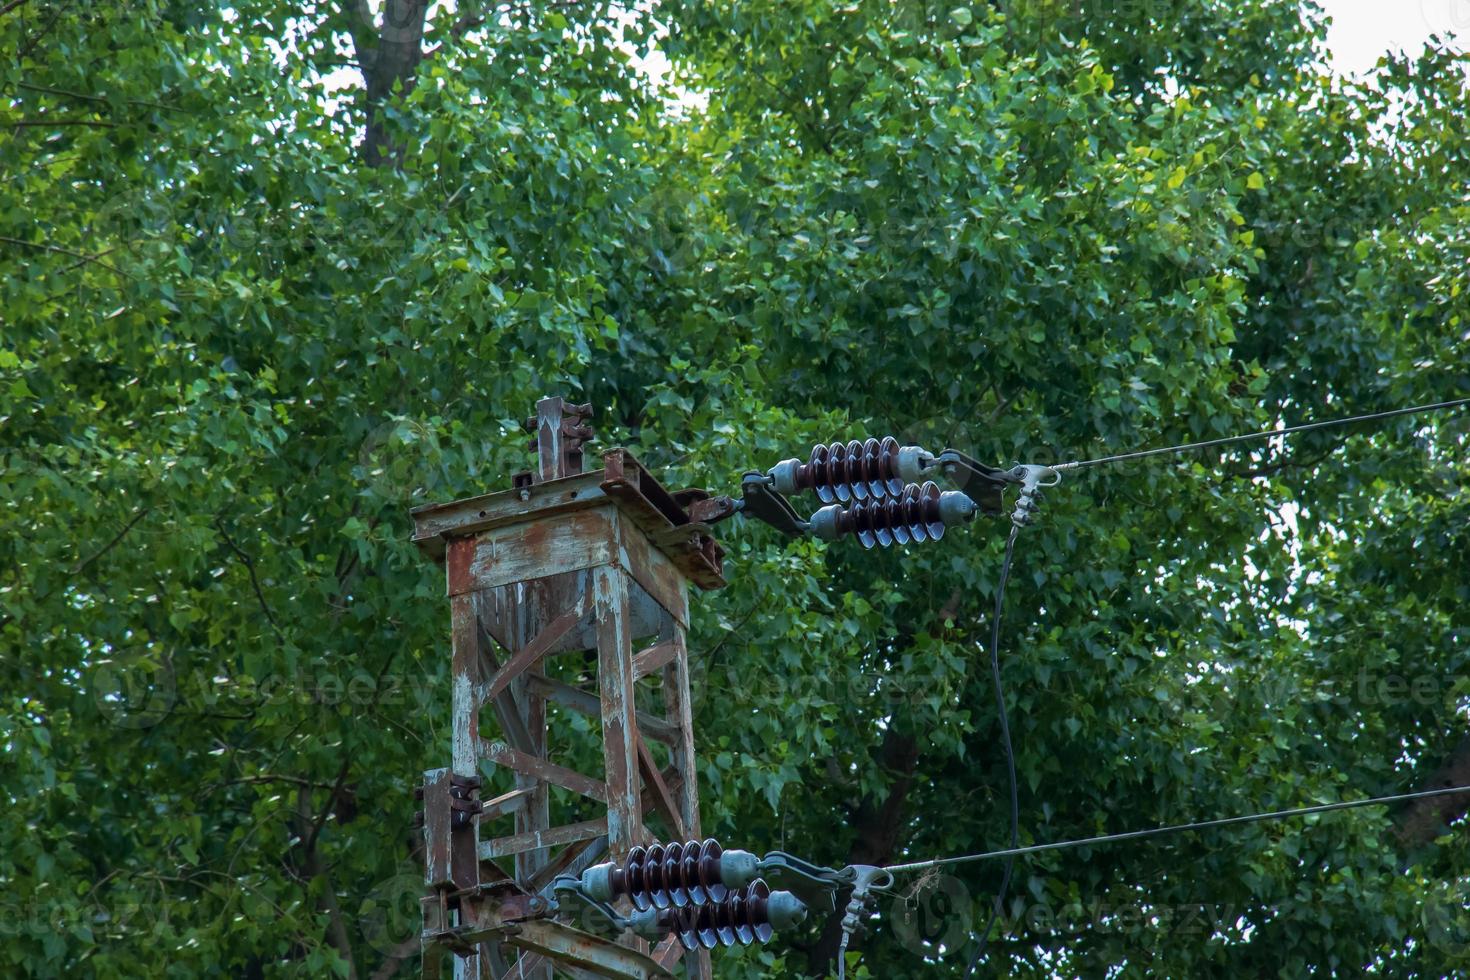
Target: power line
<point>1005,735</point>
<point>1267,433</point>
<point>1012,852</point>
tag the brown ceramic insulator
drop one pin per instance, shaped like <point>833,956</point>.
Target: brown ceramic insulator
<point>911,516</point>
<point>854,471</point>
<point>743,917</point>
<point>674,875</point>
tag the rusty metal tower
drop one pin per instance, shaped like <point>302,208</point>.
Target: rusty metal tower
<point>565,561</point>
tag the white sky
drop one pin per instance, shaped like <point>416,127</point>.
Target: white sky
<point>1363,30</point>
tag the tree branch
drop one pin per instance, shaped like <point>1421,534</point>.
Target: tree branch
<point>401,952</point>
<point>312,861</point>
<point>77,568</point>
<point>96,260</point>
<point>254,582</point>
<point>96,123</point>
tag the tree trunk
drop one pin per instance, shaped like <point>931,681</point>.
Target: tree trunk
<point>389,56</point>
<point>879,824</point>
<point>1421,821</point>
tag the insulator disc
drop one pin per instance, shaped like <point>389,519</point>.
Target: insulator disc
<point>711,887</point>
<point>653,877</point>
<point>818,465</point>
<point>930,494</point>
<point>837,472</point>
<point>888,482</point>
<point>752,918</point>
<point>689,890</point>
<point>722,920</point>
<point>900,532</point>
<point>636,884</point>
<point>674,881</point>
<point>681,922</point>
<point>707,931</point>
<point>852,471</point>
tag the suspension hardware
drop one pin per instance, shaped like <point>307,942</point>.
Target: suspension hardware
<point>1033,479</point>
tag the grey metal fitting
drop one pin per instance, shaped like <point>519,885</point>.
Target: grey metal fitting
<point>647,925</point>
<point>784,910</point>
<point>913,462</point>
<point>955,507</point>
<point>738,869</point>
<point>1029,499</point>
<point>783,475</point>
<point>824,522</point>
<point>597,882</point>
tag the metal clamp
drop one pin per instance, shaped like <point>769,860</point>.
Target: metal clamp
<point>760,500</point>
<point>866,880</point>
<point>1032,479</point>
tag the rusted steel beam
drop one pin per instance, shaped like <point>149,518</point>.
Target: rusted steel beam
<point>438,872</point>
<point>651,568</point>
<point>573,860</point>
<point>678,708</point>
<point>683,777</point>
<point>508,709</point>
<point>654,658</point>
<point>532,550</point>
<point>653,510</point>
<point>435,523</point>
<point>464,677</point>
<point>663,799</point>
<point>556,836</point>
<point>668,952</point>
<point>531,654</point>
<point>561,430</point>
<point>503,755</point>
<point>624,476</point>
<point>505,804</point>
<point>464,776</point>
<point>619,713</point>
<point>586,703</point>
<point>582,949</point>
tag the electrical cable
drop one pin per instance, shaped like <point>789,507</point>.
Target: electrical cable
<point>1005,738</point>
<point>1011,853</point>
<point>1144,453</point>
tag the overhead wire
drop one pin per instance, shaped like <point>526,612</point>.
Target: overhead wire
<point>1005,738</point>
<point>1263,434</point>
<point>1013,852</point>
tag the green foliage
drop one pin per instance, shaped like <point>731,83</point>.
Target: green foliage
<point>233,356</point>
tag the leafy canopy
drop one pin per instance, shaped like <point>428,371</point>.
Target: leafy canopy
<point>251,316</point>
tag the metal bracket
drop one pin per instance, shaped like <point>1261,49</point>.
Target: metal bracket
<point>866,880</point>
<point>760,500</point>
<point>815,885</point>
<point>982,483</point>
<point>1032,479</point>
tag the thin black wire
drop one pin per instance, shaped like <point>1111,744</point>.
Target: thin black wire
<point>1005,738</point>
<point>1143,453</point>
<point>1011,853</point>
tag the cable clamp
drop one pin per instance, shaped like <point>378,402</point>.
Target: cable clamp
<point>866,880</point>
<point>1032,479</point>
